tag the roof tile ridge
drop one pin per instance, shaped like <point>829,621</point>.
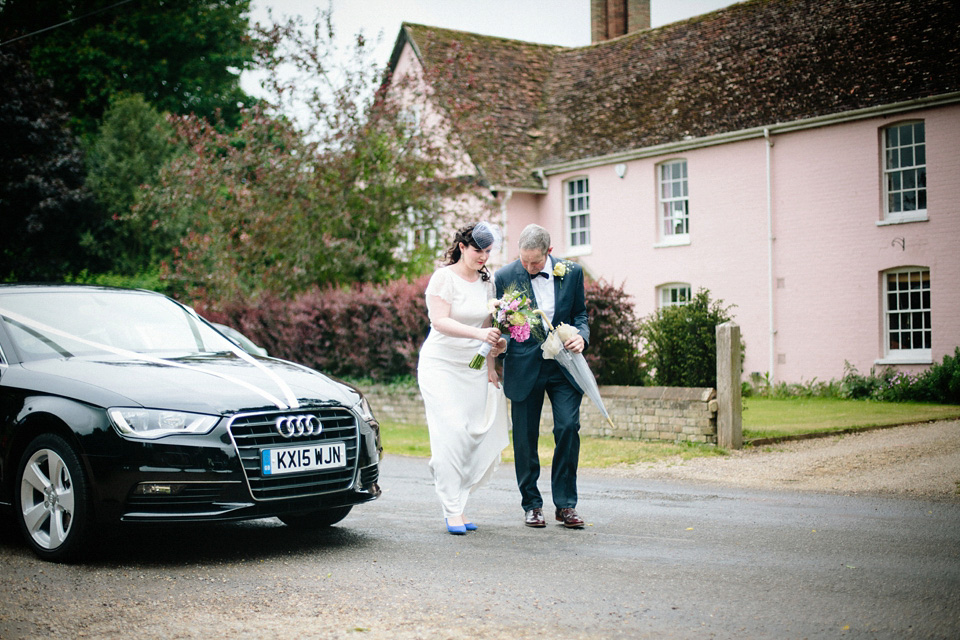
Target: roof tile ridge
<point>474,34</point>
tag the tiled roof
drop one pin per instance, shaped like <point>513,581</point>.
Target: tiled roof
<point>754,64</point>
<point>498,85</point>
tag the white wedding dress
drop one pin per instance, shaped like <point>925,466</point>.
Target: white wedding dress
<point>466,414</point>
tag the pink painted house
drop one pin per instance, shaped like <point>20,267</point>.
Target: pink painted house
<point>798,158</point>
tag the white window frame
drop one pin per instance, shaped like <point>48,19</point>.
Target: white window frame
<point>905,307</point>
<point>673,203</point>
<point>673,294</point>
<point>418,235</point>
<point>904,172</point>
<point>576,208</point>
<point>411,118</point>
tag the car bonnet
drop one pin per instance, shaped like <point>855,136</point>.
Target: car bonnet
<point>214,384</point>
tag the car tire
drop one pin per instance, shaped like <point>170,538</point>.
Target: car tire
<point>315,519</point>
<point>52,499</point>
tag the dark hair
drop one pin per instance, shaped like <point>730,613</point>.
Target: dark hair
<point>465,236</point>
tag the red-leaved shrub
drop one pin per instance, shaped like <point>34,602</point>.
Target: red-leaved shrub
<point>375,331</point>
<point>367,331</point>
<point>614,352</point>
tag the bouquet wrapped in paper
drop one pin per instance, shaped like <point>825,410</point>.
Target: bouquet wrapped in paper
<point>575,364</point>
<point>556,339</point>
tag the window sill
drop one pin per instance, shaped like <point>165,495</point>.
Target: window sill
<point>679,242</point>
<point>904,360</point>
<point>582,250</point>
<point>919,217</point>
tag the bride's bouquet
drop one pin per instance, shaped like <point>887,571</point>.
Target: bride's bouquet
<point>513,313</point>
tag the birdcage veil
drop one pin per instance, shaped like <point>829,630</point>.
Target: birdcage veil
<point>486,235</point>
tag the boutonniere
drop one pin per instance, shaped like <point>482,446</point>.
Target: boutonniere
<point>561,268</point>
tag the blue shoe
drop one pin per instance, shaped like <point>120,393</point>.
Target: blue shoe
<point>469,526</point>
<point>455,529</point>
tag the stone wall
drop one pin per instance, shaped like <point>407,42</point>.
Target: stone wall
<point>638,413</point>
<point>391,403</point>
<point>675,414</point>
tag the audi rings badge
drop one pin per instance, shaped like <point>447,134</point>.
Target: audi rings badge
<point>296,426</point>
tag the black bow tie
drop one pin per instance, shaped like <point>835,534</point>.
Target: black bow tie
<point>542,274</point>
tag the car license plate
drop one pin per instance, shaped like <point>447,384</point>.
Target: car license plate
<point>312,457</point>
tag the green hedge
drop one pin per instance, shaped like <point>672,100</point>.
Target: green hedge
<point>940,383</point>
<point>681,342</point>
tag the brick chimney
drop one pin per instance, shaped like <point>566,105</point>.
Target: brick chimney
<point>613,18</point>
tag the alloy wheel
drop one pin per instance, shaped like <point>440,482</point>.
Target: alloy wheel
<point>47,499</point>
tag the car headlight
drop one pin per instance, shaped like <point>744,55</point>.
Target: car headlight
<point>155,423</point>
<point>363,408</point>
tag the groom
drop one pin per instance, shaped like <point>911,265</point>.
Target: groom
<point>557,288</point>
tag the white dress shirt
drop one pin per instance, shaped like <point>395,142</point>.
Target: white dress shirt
<point>543,289</point>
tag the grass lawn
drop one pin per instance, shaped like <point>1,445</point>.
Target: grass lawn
<point>762,418</point>
<point>776,417</point>
<point>413,440</point>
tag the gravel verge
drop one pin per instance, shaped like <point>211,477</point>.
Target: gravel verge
<point>918,461</point>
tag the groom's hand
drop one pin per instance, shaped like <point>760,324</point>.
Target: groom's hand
<point>574,344</point>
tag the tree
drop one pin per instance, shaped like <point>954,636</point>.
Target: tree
<point>127,152</point>
<point>269,208</point>
<point>183,56</point>
<point>44,207</point>
<point>263,209</point>
<point>681,342</point>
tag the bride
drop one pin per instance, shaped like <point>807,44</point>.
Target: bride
<point>465,407</point>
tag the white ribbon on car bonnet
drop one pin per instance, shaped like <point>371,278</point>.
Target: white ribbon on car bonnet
<point>39,326</point>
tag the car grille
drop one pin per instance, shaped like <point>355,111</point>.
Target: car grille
<point>369,475</point>
<point>253,432</point>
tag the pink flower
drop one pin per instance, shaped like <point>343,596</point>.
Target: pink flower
<point>520,333</point>
<point>514,305</point>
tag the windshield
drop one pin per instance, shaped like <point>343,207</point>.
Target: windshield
<point>62,324</point>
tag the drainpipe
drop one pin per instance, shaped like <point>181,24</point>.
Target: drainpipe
<point>770,239</point>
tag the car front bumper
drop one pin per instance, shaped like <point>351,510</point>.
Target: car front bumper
<point>219,477</point>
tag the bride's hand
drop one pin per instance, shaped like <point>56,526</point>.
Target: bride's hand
<point>489,335</point>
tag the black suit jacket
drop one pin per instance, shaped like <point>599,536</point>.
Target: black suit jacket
<point>523,360</point>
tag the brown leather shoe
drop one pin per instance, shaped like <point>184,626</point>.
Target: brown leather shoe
<point>569,518</point>
<point>534,518</point>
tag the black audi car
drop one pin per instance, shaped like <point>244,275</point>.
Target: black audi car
<point>125,406</point>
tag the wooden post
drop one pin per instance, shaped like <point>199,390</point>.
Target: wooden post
<point>729,401</point>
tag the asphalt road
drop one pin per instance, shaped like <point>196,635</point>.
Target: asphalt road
<point>657,560</point>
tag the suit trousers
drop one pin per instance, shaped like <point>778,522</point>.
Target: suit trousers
<point>565,402</point>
